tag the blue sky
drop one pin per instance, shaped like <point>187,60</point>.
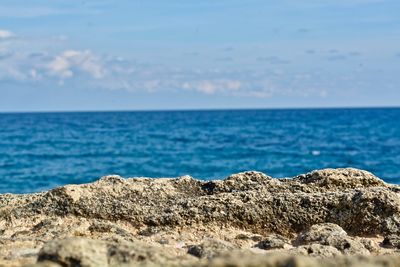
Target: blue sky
<point>184,54</point>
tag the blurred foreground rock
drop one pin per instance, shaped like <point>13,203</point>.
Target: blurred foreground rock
<point>332,217</point>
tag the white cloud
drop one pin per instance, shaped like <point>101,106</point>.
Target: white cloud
<point>69,61</point>
<point>212,86</point>
<point>34,74</point>
<point>90,70</point>
<point>4,34</point>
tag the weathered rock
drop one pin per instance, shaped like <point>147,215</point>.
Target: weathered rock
<point>347,245</point>
<point>210,248</point>
<point>370,244</point>
<point>273,242</point>
<point>341,178</point>
<point>92,253</point>
<point>331,212</point>
<point>333,235</point>
<point>284,260</point>
<point>319,233</point>
<point>75,252</point>
<point>316,250</point>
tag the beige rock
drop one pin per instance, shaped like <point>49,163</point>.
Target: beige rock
<point>210,248</point>
<point>143,221</point>
<point>274,242</point>
<point>92,253</point>
<point>319,233</point>
<point>316,250</point>
<point>333,235</point>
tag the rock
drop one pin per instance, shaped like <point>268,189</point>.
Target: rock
<point>249,200</point>
<point>273,242</point>
<point>341,178</point>
<point>333,235</point>
<point>284,260</point>
<point>319,233</point>
<point>149,231</point>
<point>316,250</point>
<point>370,244</point>
<point>139,221</point>
<point>92,253</point>
<point>210,248</point>
<point>239,182</point>
<point>75,252</point>
<point>347,245</point>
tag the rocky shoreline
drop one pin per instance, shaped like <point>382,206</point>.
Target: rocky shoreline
<point>331,217</point>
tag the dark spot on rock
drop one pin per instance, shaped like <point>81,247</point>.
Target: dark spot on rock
<point>72,262</point>
<point>196,251</point>
<point>149,231</point>
<point>391,241</point>
<point>141,258</point>
<point>209,187</point>
<point>163,241</point>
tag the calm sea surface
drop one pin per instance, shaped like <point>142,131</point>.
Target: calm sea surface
<point>43,150</point>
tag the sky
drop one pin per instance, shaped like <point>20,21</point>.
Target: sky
<point>71,55</point>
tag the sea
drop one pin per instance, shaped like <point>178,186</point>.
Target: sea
<point>39,151</point>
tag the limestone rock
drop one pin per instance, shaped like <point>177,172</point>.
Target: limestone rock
<point>347,245</point>
<point>143,221</point>
<point>370,244</point>
<point>333,235</point>
<point>75,252</point>
<point>319,233</point>
<point>92,253</point>
<point>316,250</point>
<point>284,260</point>
<point>341,178</point>
<point>210,248</point>
<point>273,242</point>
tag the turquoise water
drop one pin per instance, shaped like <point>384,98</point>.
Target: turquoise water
<point>43,150</point>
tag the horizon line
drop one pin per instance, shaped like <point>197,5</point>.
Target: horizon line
<point>198,109</point>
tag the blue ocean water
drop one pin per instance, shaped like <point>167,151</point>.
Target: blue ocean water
<point>39,151</point>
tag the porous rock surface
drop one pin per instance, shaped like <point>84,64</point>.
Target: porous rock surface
<point>331,217</point>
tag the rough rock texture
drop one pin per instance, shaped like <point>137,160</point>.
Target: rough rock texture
<point>330,217</point>
<point>333,235</point>
<point>210,248</point>
<point>273,242</point>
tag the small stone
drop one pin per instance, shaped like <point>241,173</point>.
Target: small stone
<point>333,235</point>
<point>316,250</point>
<point>273,242</point>
<point>319,233</point>
<point>369,244</point>
<point>347,245</point>
<point>210,248</point>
